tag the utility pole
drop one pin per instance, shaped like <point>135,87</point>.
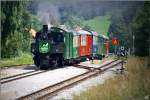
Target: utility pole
<point>133,48</point>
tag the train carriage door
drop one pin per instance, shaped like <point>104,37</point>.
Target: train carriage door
<point>75,46</point>
<point>94,44</point>
<point>66,40</point>
<point>83,45</point>
<point>80,45</point>
<point>107,47</point>
<point>100,45</point>
<point>71,44</point>
<point>89,45</point>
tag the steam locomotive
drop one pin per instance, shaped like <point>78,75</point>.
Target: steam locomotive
<point>55,47</point>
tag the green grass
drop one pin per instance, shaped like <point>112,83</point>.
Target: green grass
<point>99,24</point>
<point>25,58</point>
<point>132,85</point>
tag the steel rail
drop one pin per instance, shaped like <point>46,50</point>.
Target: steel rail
<point>19,65</point>
<point>53,89</point>
<point>93,68</point>
<point>20,76</point>
<point>17,75</point>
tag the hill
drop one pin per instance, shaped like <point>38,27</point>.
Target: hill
<point>99,24</point>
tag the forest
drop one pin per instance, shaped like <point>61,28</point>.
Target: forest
<point>128,19</point>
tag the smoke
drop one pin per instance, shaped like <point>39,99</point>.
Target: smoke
<point>54,12</point>
<point>48,13</point>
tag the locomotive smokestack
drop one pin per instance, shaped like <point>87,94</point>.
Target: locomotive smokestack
<point>45,28</point>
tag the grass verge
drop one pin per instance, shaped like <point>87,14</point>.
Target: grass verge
<point>132,85</point>
<point>25,58</point>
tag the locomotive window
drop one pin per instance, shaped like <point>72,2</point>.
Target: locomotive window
<point>58,37</point>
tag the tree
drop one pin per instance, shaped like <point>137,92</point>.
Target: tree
<point>125,22</point>
<point>74,21</point>
<point>118,29</point>
<point>12,13</point>
<point>15,17</point>
<point>141,28</point>
<point>87,27</point>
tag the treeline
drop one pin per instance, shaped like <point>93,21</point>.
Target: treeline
<point>134,24</point>
<point>141,30</point>
<point>14,19</point>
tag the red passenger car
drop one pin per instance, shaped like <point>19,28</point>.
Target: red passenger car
<point>85,43</point>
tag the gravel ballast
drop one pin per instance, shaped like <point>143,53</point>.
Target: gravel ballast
<point>21,87</point>
<point>16,70</point>
<point>18,88</point>
<point>67,94</point>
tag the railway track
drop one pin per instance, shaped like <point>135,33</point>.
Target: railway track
<point>51,90</point>
<point>19,76</point>
<point>16,66</point>
<point>93,68</point>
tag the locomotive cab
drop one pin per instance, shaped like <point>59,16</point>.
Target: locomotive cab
<point>57,42</point>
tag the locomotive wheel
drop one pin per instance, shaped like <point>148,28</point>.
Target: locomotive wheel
<point>43,67</point>
<point>62,63</point>
<point>55,65</point>
<point>58,61</point>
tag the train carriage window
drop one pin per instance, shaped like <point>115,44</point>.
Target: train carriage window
<point>83,40</point>
<point>75,41</point>
<point>101,40</point>
<point>94,40</point>
<point>64,39</point>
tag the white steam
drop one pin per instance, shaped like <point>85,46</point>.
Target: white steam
<point>48,13</point>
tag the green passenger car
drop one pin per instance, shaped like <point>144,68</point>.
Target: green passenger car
<point>75,45</point>
<point>101,45</point>
<point>67,53</point>
<point>71,46</point>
